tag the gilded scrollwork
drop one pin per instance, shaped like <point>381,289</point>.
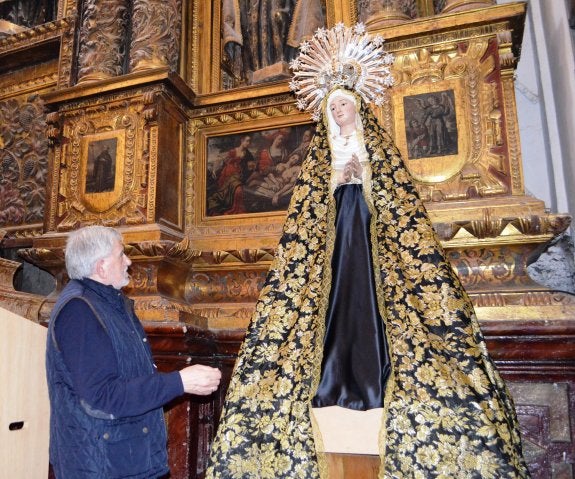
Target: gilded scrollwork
<point>114,127</point>
<point>512,134</point>
<point>150,249</point>
<point>449,122</point>
<point>154,308</point>
<point>491,255</point>
<point>224,286</point>
<point>501,228</point>
<point>478,267</point>
<point>143,278</point>
<point>529,299</point>
<point>156,27</point>
<point>37,34</point>
<point>183,252</point>
<point>67,50</point>
<point>225,316</point>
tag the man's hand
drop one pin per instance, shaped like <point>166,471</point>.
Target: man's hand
<point>201,380</point>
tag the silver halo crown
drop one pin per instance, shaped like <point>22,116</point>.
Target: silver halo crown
<point>341,56</point>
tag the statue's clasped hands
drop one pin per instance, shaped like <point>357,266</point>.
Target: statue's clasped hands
<point>352,169</point>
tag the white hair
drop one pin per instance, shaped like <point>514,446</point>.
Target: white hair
<point>86,246</point>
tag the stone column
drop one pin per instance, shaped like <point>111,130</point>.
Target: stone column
<point>101,39</point>
<point>156,33</point>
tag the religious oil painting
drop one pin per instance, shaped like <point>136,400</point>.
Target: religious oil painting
<point>101,166</point>
<point>430,125</point>
<point>260,37</point>
<point>254,171</point>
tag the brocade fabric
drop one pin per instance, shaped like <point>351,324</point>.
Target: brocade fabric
<point>447,413</point>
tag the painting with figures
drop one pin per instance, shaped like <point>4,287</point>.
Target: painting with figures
<point>254,172</point>
<point>260,37</point>
<point>101,166</point>
<point>431,124</point>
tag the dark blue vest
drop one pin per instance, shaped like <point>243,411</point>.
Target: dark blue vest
<point>86,443</point>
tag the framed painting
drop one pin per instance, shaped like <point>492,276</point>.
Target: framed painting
<point>431,132</point>
<point>101,169</point>
<point>254,172</point>
<point>244,176</point>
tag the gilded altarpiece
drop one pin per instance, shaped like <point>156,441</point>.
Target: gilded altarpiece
<point>453,76</point>
<point>130,131</point>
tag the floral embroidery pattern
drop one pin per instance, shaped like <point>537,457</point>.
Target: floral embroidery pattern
<point>447,411</point>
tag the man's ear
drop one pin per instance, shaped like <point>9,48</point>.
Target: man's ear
<point>100,269</point>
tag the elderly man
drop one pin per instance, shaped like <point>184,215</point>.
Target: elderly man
<point>105,393</point>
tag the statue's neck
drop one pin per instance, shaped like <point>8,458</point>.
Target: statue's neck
<point>346,130</point>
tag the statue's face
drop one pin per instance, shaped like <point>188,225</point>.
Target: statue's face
<point>343,110</point>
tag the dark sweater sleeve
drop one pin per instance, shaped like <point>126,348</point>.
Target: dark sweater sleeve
<point>88,354</point>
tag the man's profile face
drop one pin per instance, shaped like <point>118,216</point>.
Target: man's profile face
<point>115,267</point>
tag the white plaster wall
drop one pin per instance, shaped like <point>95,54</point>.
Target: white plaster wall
<point>545,91</point>
<point>537,166</point>
<point>545,95</point>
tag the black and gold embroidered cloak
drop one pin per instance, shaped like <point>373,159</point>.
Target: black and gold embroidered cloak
<point>447,413</point>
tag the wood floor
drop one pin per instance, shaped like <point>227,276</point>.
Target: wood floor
<point>352,466</point>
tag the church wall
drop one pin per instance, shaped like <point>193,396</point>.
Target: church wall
<point>544,79</point>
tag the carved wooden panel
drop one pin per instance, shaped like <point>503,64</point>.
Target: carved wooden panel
<point>119,161</point>
<point>546,414</point>
<point>23,160</point>
<point>451,122</point>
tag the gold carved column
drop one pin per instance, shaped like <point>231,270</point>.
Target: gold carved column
<point>101,39</point>
<point>104,45</point>
<point>156,32</point>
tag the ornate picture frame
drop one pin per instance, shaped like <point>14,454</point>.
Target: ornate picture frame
<point>85,194</point>
<point>237,181</point>
<point>102,169</point>
<point>430,129</point>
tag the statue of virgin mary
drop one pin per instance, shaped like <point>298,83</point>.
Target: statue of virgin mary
<point>361,310</point>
